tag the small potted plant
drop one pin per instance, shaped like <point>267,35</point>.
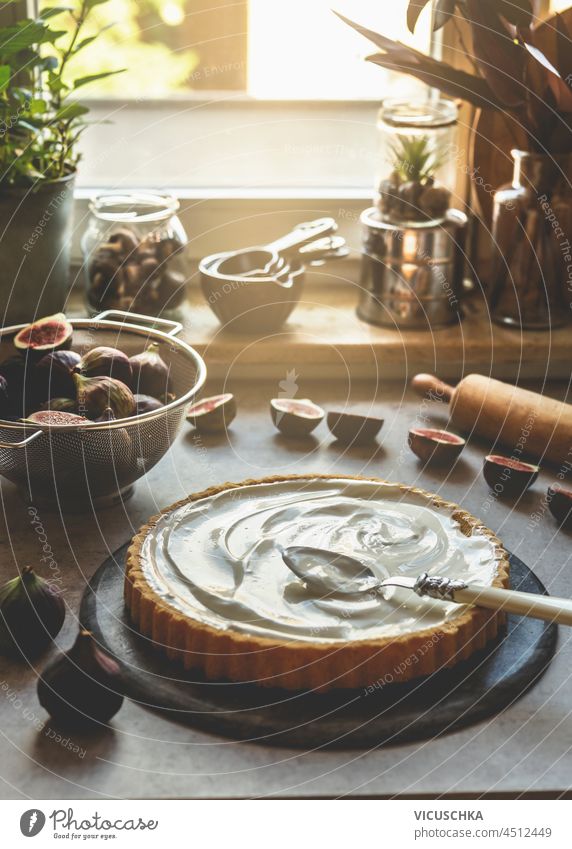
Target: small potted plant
<point>530,284</point>
<point>411,190</point>
<point>41,121</point>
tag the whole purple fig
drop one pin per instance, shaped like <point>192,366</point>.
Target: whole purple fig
<point>62,405</point>
<point>4,399</point>
<point>95,394</point>
<point>145,404</point>
<point>107,362</point>
<point>32,613</point>
<point>150,372</point>
<point>53,375</point>
<point>83,686</point>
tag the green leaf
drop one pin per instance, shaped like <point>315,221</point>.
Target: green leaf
<point>81,81</point>
<point>38,107</point>
<point>52,11</point>
<point>5,72</point>
<point>90,38</point>
<point>70,111</point>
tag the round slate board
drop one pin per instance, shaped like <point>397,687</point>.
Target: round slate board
<point>395,713</point>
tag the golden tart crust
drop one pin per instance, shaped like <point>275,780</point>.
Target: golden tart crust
<point>240,657</point>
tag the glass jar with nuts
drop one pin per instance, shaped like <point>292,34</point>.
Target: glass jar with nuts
<point>134,254</point>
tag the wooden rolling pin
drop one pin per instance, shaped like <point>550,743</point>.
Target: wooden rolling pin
<point>525,422</point>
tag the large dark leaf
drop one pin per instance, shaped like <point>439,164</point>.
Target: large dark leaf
<point>413,11</point>
<point>399,57</point>
<point>517,12</point>
<point>500,57</point>
<point>439,75</point>
<point>442,12</point>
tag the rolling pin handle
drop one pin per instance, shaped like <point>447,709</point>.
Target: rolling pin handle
<point>428,384</point>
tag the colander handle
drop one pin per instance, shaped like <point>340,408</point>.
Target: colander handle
<point>23,443</point>
<point>175,326</point>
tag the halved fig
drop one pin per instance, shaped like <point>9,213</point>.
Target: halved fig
<point>435,446</point>
<point>560,505</point>
<point>353,428</point>
<point>295,417</point>
<point>212,414</point>
<point>56,417</point>
<point>507,476</point>
<point>45,335</point>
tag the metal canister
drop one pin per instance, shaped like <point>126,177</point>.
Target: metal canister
<point>412,275</point>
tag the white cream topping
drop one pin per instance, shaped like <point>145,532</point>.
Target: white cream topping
<point>217,560</point>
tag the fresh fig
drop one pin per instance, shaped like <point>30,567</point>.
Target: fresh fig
<point>150,372</point>
<point>61,405</point>
<point>83,686</point>
<point>107,416</point>
<point>295,417</point>
<point>53,375</point>
<point>560,505</point>
<point>146,404</point>
<point>18,374</point>
<point>94,394</point>
<point>508,477</point>
<point>56,417</point>
<point>47,334</point>
<point>352,428</point>
<point>32,613</point>
<point>212,414</point>
<point>4,398</point>
<point>107,362</point>
<point>435,446</point>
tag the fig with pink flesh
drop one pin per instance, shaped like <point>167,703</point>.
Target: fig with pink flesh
<point>295,417</point>
<point>507,476</point>
<point>212,414</point>
<point>150,372</point>
<point>45,335</point>
<point>56,417</point>
<point>353,428</point>
<point>435,446</point>
<point>53,375</point>
<point>107,362</point>
<point>560,505</point>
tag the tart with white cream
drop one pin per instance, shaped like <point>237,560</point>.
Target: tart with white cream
<point>206,582</point>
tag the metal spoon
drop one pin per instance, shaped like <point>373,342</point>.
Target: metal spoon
<point>260,261</point>
<point>329,572</point>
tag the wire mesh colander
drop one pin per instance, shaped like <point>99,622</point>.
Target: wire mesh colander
<point>97,463</point>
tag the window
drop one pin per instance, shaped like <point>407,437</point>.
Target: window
<point>267,49</point>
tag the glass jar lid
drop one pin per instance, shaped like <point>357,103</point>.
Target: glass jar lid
<point>418,114</point>
<point>133,206</point>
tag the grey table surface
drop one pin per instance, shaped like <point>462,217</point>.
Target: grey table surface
<point>525,749</point>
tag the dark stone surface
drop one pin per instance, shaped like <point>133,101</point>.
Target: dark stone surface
<point>392,713</point>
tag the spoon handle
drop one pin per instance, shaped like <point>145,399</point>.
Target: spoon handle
<point>303,234</point>
<point>511,601</point>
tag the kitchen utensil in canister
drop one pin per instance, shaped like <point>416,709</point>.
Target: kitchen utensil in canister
<point>532,424</point>
<point>96,463</point>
